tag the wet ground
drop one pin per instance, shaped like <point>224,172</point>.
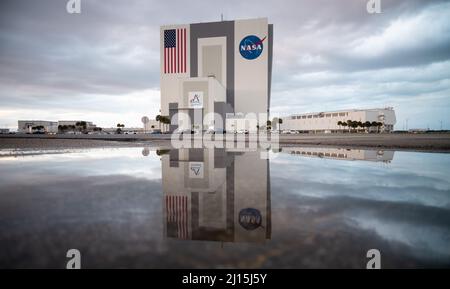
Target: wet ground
<point>137,207</point>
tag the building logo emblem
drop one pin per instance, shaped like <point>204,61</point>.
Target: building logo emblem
<point>251,47</point>
<point>195,99</point>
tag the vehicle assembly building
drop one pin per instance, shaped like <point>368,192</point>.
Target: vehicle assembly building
<point>218,67</point>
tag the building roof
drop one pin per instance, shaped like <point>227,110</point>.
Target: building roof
<point>343,110</point>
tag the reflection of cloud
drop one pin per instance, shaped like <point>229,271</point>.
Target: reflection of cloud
<point>100,161</point>
<point>407,179</point>
<point>105,217</point>
<point>428,242</point>
<point>405,203</point>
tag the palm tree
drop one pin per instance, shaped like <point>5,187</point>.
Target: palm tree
<point>379,125</point>
<point>375,124</point>
<point>158,119</point>
<point>352,124</point>
<point>367,124</point>
<point>343,123</point>
<point>119,126</point>
<point>360,124</point>
<point>339,123</point>
<point>163,120</point>
<point>349,124</point>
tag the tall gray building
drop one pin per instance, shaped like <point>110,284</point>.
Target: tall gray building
<point>218,67</point>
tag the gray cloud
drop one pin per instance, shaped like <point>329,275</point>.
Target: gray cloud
<point>53,63</point>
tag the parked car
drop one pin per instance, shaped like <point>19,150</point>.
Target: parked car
<point>243,131</point>
<point>289,131</point>
<point>214,131</point>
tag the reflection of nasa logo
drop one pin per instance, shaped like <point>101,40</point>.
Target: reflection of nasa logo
<point>250,218</point>
<point>196,169</point>
<point>251,47</point>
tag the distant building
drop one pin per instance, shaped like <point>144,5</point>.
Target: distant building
<point>153,125</point>
<point>328,121</point>
<point>30,126</point>
<point>4,130</point>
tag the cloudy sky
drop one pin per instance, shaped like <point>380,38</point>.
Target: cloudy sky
<point>103,64</point>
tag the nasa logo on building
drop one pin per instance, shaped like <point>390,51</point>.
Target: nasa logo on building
<point>251,47</point>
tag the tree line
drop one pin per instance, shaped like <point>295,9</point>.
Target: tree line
<point>355,124</point>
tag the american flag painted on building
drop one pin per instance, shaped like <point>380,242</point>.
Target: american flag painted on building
<point>177,214</point>
<point>175,50</point>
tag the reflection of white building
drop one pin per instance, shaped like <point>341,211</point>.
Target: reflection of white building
<point>216,195</point>
<point>341,154</point>
<point>328,121</point>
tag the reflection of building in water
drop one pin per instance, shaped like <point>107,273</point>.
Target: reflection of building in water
<point>216,195</point>
<point>342,154</point>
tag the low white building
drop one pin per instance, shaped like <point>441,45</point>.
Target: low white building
<point>153,125</point>
<point>330,121</point>
<point>30,126</point>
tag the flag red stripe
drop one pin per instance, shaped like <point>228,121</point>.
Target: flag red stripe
<point>177,212</point>
<point>178,50</point>
<point>181,50</point>
<point>184,49</point>
<point>185,218</point>
<point>178,217</point>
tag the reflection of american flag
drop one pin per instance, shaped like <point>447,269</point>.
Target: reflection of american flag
<point>177,214</point>
<point>175,50</point>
